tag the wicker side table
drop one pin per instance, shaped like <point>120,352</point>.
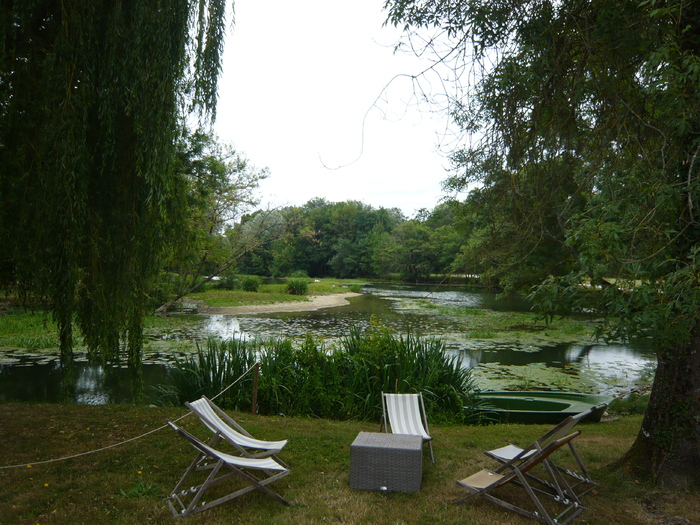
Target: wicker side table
<point>386,462</point>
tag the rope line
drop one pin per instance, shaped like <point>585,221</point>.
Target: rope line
<point>56,460</point>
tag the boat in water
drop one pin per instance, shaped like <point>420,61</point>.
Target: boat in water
<point>537,407</point>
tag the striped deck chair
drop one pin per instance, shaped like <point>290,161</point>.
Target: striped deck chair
<point>405,414</point>
<point>581,482</point>
<point>484,483</point>
<point>257,473</point>
<point>224,427</point>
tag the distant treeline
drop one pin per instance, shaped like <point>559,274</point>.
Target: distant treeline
<point>351,239</point>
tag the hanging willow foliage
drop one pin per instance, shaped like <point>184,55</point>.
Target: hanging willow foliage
<point>91,94</point>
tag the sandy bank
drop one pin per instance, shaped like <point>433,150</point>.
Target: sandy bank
<point>315,302</point>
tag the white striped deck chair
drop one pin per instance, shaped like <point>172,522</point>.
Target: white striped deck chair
<point>224,427</point>
<point>405,414</point>
<point>257,473</point>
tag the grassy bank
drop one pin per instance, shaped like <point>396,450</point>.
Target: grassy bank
<point>127,484</point>
<point>33,330</point>
<point>271,293</point>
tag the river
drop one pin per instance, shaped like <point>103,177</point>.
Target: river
<point>505,363</point>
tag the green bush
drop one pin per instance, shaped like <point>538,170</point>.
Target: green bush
<point>297,286</point>
<point>251,283</point>
<point>633,404</point>
<point>355,288</point>
<point>225,283</point>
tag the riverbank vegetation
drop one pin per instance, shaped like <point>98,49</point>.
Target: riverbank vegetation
<point>23,330</point>
<point>341,382</point>
<point>128,484</point>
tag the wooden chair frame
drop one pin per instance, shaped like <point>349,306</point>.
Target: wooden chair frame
<point>581,482</point>
<point>226,428</point>
<point>256,472</point>
<point>483,483</point>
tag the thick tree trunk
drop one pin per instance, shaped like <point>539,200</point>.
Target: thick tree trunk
<point>668,445</point>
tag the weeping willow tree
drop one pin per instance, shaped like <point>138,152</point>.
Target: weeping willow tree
<point>91,96</point>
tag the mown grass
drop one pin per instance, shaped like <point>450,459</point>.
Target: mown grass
<point>271,293</point>
<point>127,485</point>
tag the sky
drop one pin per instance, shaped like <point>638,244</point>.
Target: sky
<point>297,96</point>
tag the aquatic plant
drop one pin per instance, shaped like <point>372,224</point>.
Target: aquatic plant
<point>209,371</point>
<point>343,382</point>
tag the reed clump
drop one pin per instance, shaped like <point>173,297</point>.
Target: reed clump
<point>342,382</point>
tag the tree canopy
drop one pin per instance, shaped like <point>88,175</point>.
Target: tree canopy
<point>91,98</point>
<point>584,127</point>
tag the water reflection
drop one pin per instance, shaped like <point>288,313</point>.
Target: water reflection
<point>436,294</point>
<point>598,368</point>
<point>91,384</point>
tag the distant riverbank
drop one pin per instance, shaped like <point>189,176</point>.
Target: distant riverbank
<point>315,302</point>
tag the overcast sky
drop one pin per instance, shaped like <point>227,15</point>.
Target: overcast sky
<point>299,83</point>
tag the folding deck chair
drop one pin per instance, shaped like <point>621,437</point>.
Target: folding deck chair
<point>485,482</point>
<point>224,427</point>
<point>582,482</point>
<point>405,414</point>
<point>257,472</point>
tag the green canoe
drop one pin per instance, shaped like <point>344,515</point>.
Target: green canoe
<point>537,407</point>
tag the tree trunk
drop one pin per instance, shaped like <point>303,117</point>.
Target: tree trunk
<point>667,447</point>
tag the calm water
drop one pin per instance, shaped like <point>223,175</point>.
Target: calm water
<point>496,364</point>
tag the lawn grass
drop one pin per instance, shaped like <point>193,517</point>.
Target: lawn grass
<point>271,293</point>
<point>32,330</point>
<point>128,484</point>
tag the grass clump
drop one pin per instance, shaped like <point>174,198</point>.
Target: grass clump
<point>634,404</point>
<point>208,372</point>
<point>297,286</point>
<point>251,283</point>
<point>29,330</point>
<point>344,382</point>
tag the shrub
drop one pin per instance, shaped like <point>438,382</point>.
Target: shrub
<point>355,288</point>
<point>226,283</point>
<point>633,404</point>
<point>297,286</point>
<point>251,283</point>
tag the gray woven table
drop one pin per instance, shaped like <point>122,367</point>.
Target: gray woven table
<point>386,462</point>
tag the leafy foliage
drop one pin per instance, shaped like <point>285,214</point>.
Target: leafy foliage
<point>251,283</point>
<point>216,188</point>
<point>90,99</point>
<point>585,119</point>
<point>350,239</point>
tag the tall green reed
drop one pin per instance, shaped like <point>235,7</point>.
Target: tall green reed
<point>342,382</point>
<point>210,371</point>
